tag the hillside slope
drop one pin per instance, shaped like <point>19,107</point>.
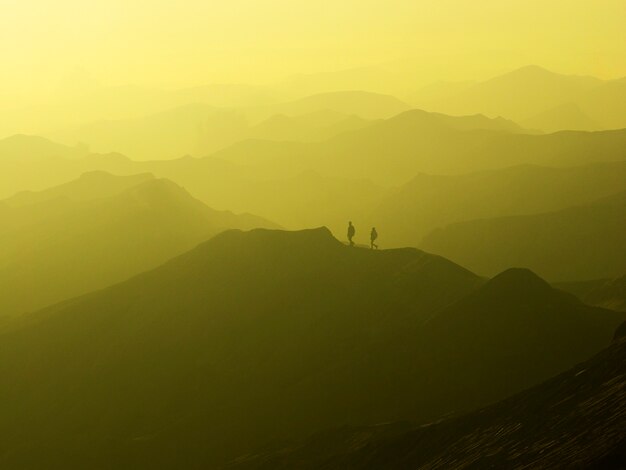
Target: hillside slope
<point>267,335</point>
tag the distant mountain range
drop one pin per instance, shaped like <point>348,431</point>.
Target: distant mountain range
<point>95,231</point>
<point>392,151</point>
<point>345,177</point>
<point>263,336</point>
<point>573,244</point>
<point>431,202</point>
<point>536,98</point>
<point>200,129</point>
<point>607,293</point>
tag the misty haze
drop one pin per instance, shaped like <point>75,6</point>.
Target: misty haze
<point>302,235</point>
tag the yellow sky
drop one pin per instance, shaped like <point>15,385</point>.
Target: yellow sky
<point>187,42</point>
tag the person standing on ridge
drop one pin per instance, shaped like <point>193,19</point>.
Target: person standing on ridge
<point>373,237</point>
<point>351,232</point>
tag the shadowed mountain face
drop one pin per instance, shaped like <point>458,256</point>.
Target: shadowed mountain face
<point>265,335</point>
<point>95,231</point>
<point>574,420</point>
<point>573,244</point>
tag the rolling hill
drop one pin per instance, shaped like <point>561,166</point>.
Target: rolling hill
<point>267,335</point>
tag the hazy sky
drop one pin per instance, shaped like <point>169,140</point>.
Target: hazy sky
<point>186,42</point>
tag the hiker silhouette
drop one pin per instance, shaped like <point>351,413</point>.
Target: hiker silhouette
<point>351,232</point>
<point>373,237</point>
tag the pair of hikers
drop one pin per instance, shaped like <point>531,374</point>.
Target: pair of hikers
<point>373,236</point>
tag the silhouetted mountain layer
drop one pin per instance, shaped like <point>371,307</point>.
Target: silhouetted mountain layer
<point>432,201</point>
<point>566,116</point>
<point>391,151</point>
<point>572,244</point>
<point>538,98</point>
<point>34,163</point>
<point>196,129</point>
<point>90,186</point>
<point>311,127</point>
<point>200,129</point>
<point>574,420</point>
<point>95,231</point>
<point>268,335</point>
<point>607,293</point>
<point>364,104</point>
<point>34,149</point>
<point>519,94</point>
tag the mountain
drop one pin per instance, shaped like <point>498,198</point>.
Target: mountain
<point>36,163</point>
<point>537,98</point>
<point>611,294</point>
<point>606,103</point>
<point>607,293</point>
<point>391,151</point>
<point>307,199</point>
<point>311,127</point>
<point>96,231</point>
<point>581,414</point>
<point>564,116</point>
<point>430,94</point>
<point>429,202</point>
<point>191,129</point>
<point>519,94</point>
<point>34,149</point>
<point>201,129</point>
<point>90,185</point>
<point>572,244</point>
<point>114,103</point>
<point>262,336</point>
<point>364,104</point>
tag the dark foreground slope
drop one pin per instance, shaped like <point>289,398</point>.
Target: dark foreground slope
<point>263,336</point>
<point>575,420</point>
